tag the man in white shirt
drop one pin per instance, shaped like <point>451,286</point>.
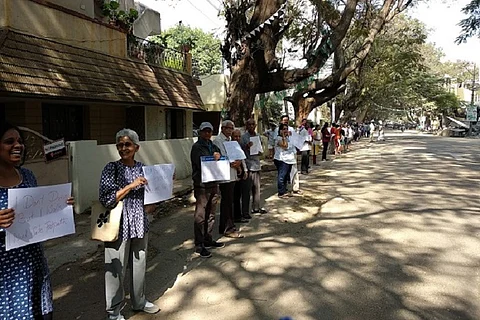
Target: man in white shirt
<point>226,225</point>
<point>303,132</point>
<point>372,130</point>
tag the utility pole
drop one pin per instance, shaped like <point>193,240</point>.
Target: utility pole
<point>472,101</point>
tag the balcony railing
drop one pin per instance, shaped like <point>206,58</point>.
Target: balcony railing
<point>155,54</point>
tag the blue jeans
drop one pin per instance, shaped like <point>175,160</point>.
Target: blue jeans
<point>283,170</point>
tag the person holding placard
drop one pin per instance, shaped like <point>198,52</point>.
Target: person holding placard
<point>284,159</point>
<point>206,194</point>
<point>241,196</point>
<point>254,169</point>
<point>123,180</point>
<point>294,176</point>
<point>25,288</point>
<point>226,225</point>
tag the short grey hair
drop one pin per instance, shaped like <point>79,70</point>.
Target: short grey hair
<point>227,122</point>
<point>128,133</point>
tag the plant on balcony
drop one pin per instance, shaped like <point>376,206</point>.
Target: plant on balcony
<point>119,18</point>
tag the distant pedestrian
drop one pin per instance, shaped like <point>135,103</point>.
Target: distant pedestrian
<point>305,132</point>
<point>317,143</point>
<point>326,138</point>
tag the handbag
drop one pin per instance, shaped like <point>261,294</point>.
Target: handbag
<point>104,222</point>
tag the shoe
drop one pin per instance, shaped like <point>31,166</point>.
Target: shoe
<point>119,317</point>
<point>149,308</point>
<point>241,220</point>
<point>298,192</point>
<point>214,245</point>
<point>203,252</point>
<point>234,234</point>
<point>283,196</point>
<point>247,216</point>
<point>263,211</point>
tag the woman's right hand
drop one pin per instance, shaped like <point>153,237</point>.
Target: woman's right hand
<point>6,217</point>
<point>140,181</point>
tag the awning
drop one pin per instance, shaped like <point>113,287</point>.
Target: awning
<point>37,67</point>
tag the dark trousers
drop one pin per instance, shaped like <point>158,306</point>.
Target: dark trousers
<point>324,151</point>
<point>226,224</point>
<point>241,199</point>
<point>305,161</point>
<point>205,206</point>
<point>283,174</point>
<point>254,187</point>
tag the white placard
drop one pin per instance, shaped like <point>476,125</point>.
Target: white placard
<point>160,182</point>
<point>297,140</point>
<point>213,170</point>
<point>256,148</point>
<point>234,151</point>
<point>41,214</point>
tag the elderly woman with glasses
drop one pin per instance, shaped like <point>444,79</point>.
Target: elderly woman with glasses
<point>123,180</point>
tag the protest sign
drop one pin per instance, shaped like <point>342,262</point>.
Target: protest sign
<point>256,148</point>
<point>297,140</point>
<point>160,182</point>
<point>41,214</point>
<point>234,151</point>
<point>213,170</point>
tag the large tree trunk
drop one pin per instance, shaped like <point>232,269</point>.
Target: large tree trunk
<point>242,91</point>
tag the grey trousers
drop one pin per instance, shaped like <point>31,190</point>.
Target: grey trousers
<point>119,255</point>
<point>254,185</point>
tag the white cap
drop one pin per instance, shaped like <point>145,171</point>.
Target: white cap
<point>206,125</point>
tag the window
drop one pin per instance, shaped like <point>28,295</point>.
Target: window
<point>62,121</point>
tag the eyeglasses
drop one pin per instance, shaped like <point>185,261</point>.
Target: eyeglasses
<point>120,145</point>
<point>231,128</point>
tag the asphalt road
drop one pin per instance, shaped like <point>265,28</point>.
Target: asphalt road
<point>390,230</point>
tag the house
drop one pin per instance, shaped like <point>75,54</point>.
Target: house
<point>68,73</point>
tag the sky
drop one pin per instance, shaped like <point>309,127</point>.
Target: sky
<point>442,21</point>
<point>440,18</point>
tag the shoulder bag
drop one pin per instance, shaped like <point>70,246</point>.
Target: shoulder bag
<point>104,222</point>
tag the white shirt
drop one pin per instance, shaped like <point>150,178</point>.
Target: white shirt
<point>304,133</point>
<point>289,155</point>
<point>219,140</point>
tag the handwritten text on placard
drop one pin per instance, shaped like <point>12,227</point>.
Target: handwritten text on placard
<point>41,213</point>
<point>160,182</point>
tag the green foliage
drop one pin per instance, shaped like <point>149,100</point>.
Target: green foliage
<point>402,75</point>
<point>470,25</point>
<point>205,48</point>
<point>120,18</point>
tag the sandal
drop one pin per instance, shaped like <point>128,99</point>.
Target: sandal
<point>234,234</point>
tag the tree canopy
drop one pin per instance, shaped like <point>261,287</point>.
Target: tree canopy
<point>402,77</point>
<point>204,47</point>
<point>256,31</point>
<point>471,24</point>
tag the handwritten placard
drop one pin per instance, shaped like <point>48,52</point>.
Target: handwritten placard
<point>234,151</point>
<point>160,182</point>
<point>297,140</point>
<point>256,148</point>
<point>215,170</point>
<point>41,214</point>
